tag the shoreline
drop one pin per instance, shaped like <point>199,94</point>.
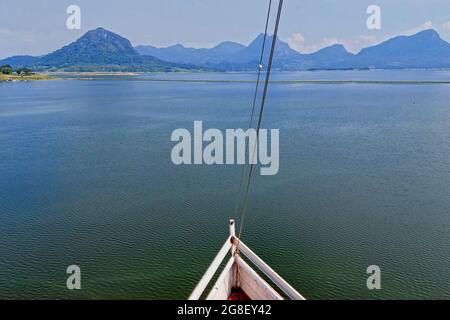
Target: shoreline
<point>306,81</point>
<point>33,77</point>
<point>135,76</point>
<point>92,73</point>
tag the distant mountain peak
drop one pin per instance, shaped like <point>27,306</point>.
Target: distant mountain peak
<point>337,46</point>
<point>99,29</point>
<point>100,47</point>
<point>428,32</point>
<point>334,48</point>
<point>101,34</point>
<point>228,44</point>
<point>425,35</point>
<point>227,48</point>
<point>424,49</point>
<point>260,39</point>
<point>177,46</point>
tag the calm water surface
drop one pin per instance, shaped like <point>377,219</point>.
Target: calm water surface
<point>86,179</point>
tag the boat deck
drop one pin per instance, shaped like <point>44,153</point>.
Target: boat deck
<point>239,281</point>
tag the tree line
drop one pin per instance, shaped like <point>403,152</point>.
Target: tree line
<point>8,70</point>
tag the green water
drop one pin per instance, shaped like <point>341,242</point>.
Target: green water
<point>86,178</point>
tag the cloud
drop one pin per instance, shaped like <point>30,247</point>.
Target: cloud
<point>297,42</point>
<point>444,30</point>
<point>445,26</point>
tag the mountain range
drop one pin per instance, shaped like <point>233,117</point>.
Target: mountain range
<point>102,50</point>
<point>96,50</point>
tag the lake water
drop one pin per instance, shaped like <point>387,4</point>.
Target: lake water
<point>86,179</point>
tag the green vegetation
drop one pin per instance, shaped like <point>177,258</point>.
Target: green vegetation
<point>13,77</point>
<point>24,72</point>
<point>7,73</point>
<point>6,69</point>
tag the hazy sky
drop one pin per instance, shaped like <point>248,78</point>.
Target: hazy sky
<point>39,26</point>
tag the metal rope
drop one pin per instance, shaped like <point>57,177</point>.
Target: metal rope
<point>260,67</point>
<point>261,111</point>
